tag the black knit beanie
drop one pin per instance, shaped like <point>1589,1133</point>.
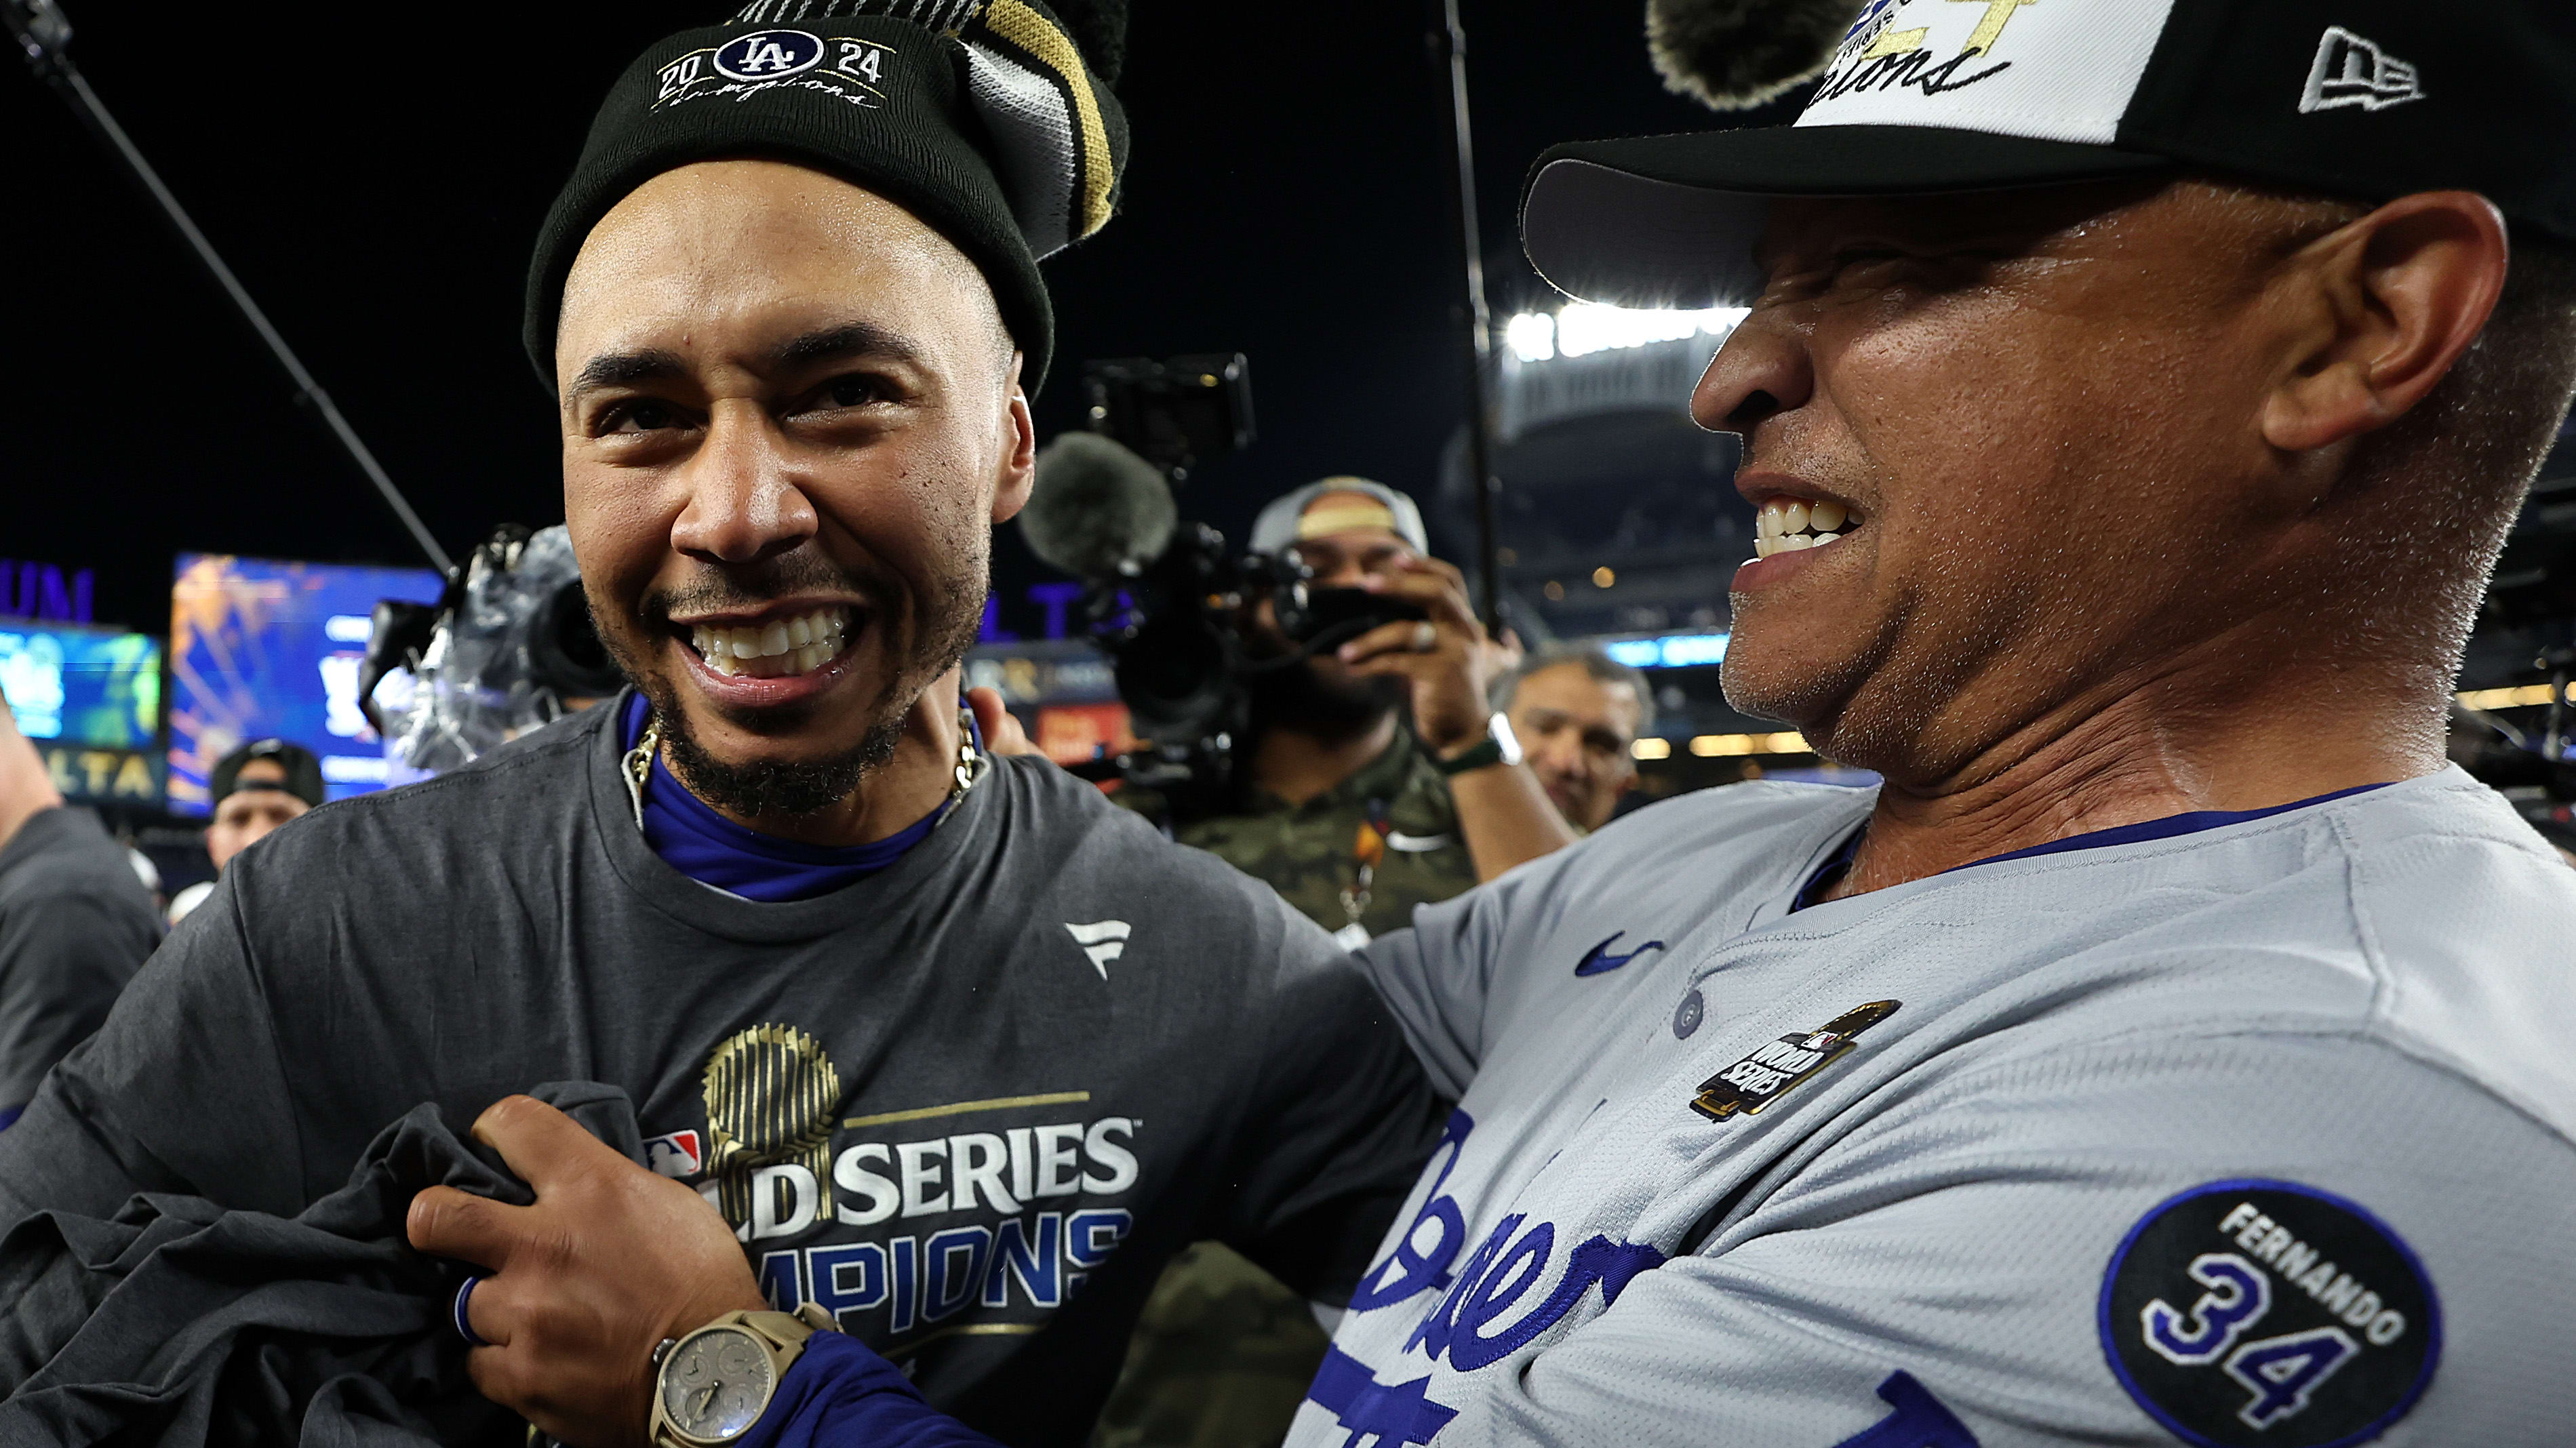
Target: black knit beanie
<point>984,118</point>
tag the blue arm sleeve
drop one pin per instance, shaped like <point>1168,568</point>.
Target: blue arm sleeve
<point>840,1394</point>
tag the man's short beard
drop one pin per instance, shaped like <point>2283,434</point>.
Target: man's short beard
<point>765,787</point>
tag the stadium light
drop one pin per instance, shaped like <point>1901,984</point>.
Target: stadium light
<point>1531,336</point>
<point>1582,328</point>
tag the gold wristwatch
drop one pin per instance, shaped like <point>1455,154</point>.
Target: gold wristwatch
<point>712,1385</point>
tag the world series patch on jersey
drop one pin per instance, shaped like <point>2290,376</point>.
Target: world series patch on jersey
<point>2252,1136</point>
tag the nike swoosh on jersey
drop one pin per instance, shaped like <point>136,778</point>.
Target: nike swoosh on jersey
<point>1599,961</point>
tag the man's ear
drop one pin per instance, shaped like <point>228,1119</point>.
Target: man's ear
<point>1020,464</point>
<point>2393,300</point>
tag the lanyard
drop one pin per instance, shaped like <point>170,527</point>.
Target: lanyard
<point>1368,851</point>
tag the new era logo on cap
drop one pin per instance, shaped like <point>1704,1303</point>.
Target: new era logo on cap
<point>2350,71</point>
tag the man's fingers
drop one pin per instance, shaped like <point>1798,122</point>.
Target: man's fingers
<point>540,1143</point>
<point>487,1312</point>
<point>445,1222</point>
<point>1403,637</point>
<point>1436,586</point>
<point>1002,732</point>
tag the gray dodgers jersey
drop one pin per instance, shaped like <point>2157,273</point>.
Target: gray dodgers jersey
<point>2258,1135</point>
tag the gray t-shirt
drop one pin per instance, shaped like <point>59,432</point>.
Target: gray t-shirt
<point>2261,1135</point>
<point>971,1103</point>
<point>75,925</point>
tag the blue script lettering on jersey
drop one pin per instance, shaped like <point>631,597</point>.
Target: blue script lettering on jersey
<point>1918,1422</point>
<point>1413,1267</point>
<point>1498,1276</point>
<point>1379,1414</point>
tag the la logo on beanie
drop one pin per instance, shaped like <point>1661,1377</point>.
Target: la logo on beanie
<point>769,55</point>
<point>746,65</point>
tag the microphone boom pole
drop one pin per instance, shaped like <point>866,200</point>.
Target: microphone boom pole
<point>44,37</point>
<point>1449,48</point>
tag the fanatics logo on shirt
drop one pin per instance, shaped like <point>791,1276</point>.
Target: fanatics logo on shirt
<point>1778,1066</point>
<point>1102,941</point>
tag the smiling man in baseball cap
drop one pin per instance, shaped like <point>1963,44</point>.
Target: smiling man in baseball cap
<point>2135,394</point>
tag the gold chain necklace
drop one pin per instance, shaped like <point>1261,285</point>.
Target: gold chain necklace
<point>967,772</point>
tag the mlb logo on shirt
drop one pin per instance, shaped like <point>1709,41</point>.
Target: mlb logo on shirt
<point>676,1156</point>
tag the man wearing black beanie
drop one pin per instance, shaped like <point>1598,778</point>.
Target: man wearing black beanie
<point>962,1053</point>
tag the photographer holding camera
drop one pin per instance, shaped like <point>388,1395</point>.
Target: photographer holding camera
<point>1355,819</point>
<point>1351,816</point>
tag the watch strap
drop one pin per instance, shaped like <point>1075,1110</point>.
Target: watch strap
<point>1499,746</point>
<point>1487,752</point>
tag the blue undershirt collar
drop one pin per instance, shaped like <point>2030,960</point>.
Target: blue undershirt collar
<point>2171,825</point>
<point>714,851</point>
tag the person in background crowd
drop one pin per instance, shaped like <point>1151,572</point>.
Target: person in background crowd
<point>1355,813</point>
<point>1353,817</point>
<point>1577,713</point>
<point>75,922</point>
<point>256,788</point>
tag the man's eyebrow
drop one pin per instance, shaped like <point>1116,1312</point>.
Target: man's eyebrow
<point>850,341</point>
<point>621,369</point>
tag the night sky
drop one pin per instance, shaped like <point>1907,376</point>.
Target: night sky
<point>378,186</point>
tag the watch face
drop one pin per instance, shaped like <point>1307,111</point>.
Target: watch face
<point>715,1383</point>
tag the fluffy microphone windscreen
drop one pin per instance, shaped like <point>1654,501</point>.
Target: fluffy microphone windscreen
<point>1096,508</point>
<point>1735,54</point>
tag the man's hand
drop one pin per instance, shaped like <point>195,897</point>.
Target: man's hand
<point>1450,660</point>
<point>1002,732</point>
<point>611,1260</point>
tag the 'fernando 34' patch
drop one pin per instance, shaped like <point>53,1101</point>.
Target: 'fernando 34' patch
<point>2247,1313</point>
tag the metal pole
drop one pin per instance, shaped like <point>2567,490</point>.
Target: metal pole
<point>42,35</point>
<point>1449,44</point>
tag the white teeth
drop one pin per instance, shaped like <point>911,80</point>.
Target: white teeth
<point>796,645</point>
<point>1782,525</point>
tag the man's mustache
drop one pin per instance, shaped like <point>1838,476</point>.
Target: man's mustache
<point>728,588</point>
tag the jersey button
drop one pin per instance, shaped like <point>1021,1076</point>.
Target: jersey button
<point>1686,1016</point>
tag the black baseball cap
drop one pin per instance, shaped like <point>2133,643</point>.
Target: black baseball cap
<point>2368,99</point>
<point>303,771</point>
